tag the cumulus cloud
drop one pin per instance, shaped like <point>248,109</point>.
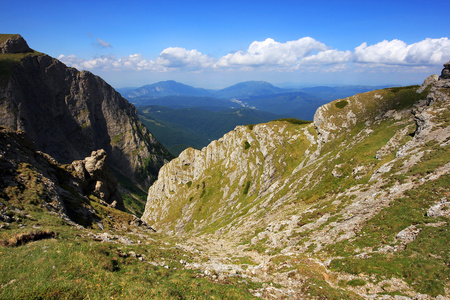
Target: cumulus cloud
<point>103,62</point>
<point>176,57</point>
<point>396,52</point>
<point>170,58</point>
<point>328,57</point>
<point>305,54</point>
<point>272,53</point>
<point>102,44</point>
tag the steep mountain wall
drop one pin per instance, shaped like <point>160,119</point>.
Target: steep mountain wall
<point>68,114</point>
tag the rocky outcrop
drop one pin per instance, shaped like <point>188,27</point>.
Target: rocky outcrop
<point>35,178</point>
<point>68,114</point>
<point>445,74</point>
<point>96,178</point>
<point>14,44</point>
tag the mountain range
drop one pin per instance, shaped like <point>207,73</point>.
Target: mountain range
<point>240,90</point>
<point>353,205</point>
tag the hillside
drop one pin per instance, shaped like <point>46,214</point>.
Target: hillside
<point>68,113</point>
<point>353,204</point>
<point>178,129</point>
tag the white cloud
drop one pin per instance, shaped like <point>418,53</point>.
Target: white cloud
<point>429,51</point>
<point>176,57</point>
<point>306,54</point>
<point>396,52</point>
<point>328,57</point>
<point>102,44</point>
<point>103,62</point>
<point>272,53</point>
<point>170,58</point>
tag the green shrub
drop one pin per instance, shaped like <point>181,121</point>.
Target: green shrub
<point>341,104</point>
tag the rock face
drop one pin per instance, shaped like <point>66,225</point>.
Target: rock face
<point>68,114</point>
<point>34,177</point>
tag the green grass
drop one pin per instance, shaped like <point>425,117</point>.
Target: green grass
<point>4,37</point>
<point>424,262</point>
<point>78,268</point>
<point>292,121</point>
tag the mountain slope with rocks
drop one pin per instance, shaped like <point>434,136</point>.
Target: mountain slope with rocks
<point>354,204</point>
<point>68,113</point>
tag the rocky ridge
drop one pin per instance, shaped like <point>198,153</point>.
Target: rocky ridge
<point>70,113</point>
<point>281,191</point>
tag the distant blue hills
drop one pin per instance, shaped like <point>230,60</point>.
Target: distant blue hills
<point>238,94</point>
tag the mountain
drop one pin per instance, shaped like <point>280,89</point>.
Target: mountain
<point>248,89</point>
<point>354,205</point>
<point>178,129</point>
<point>39,179</point>
<point>260,95</point>
<point>162,89</point>
<point>68,114</point>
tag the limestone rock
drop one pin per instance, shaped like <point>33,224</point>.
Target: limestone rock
<point>15,44</point>
<point>445,74</point>
<point>96,178</point>
<point>430,80</point>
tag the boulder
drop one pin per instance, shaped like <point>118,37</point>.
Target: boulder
<point>445,74</point>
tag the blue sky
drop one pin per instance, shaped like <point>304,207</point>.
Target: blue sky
<point>214,44</point>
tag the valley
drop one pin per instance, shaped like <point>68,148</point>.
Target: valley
<point>350,204</point>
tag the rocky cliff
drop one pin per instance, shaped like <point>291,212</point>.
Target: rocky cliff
<point>68,113</point>
<point>362,191</point>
